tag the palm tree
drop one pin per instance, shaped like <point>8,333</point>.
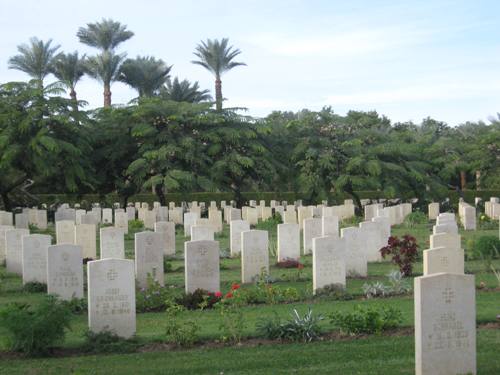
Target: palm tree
<point>69,69</point>
<point>217,58</point>
<point>35,59</point>
<point>106,36</point>
<point>184,91</point>
<point>145,74</point>
<point>105,68</point>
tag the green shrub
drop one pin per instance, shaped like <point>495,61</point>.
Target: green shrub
<point>35,330</point>
<point>76,305</point>
<point>199,299</point>
<point>232,323</point>
<point>180,333</point>
<point>153,297</point>
<point>366,320</point>
<point>35,287</point>
<point>414,218</point>
<point>108,342</point>
<point>397,286</point>
<point>298,328</point>
<point>135,225</point>
<point>334,291</point>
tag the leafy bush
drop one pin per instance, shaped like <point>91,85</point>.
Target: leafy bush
<point>397,285</point>
<point>289,263</point>
<point>199,299</point>
<point>76,305</point>
<point>35,330</point>
<point>269,224</point>
<point>486,223</point>
<point>366,320</point>
<point>183,334</point>
<point>135,225</point>
<point>232,323</point>
<point>298,328</point>
<point>153,298</point>
<point>35,287</point>
<point>108,342</point>
<point>486,247</point>
<point>403,252</point>
<point>334,291</point>
<point>414,218</point>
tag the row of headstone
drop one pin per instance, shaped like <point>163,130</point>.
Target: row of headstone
<point>445,308</point>
<point>492,208</point>
<point>396,214</point>
<point>467,215</point>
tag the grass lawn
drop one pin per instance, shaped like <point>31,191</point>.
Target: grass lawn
<point>367,355</point>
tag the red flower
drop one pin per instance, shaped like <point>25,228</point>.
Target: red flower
<point>235,286</point>
<point>300,266</point>
<point>229,295</point>
<point>218,294</point>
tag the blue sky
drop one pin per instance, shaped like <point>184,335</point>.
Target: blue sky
<point>405,59</point>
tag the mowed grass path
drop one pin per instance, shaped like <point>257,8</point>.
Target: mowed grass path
<point>372,355</point>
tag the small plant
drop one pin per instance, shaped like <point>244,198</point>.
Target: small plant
<point>182,334</point>
<point>486,248</point>
<point>199,299</point>
<point>152,298</point>
<point>298,328</point>
<point>232,323</point>
<point>135,225</point>
<point>35,287</point>
<point>76,305</point>
<point>334,291</point>
<point>414,218</point>
<point>497,274</point>
<point>35,330</point>
<point>376,289</point>
<point>108,342</point>
<point>403,253</point>
<point>366,320</point>
<point>289,263</point>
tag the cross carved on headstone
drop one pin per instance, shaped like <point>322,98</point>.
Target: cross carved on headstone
<point>112,274</point>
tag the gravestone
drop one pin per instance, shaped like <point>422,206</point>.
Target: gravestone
<point>34,258</point>
<point>121,221</point>
<point>254,254</point>
<point>215,219</point>
<point>202,233</point>
<point>328,264</point>
<point>450,227</point>
<point>201,266</point>
<point>167,231</point>
<point>85,236</point>
<point>6,218</point>
<point>235,229</point>
<point>112,243</point>
<point>443,259</point>
<point>130,213</point>
<point>65,232</point>
<point>149,219</point>
<point>373,240</point>
<point>97,211</point>
<point>148,258</point>
<point>290,217</point>
<point>65,271</point>
<point>312,229</point>
<point>433,209</point>
<point>252,216</point>
<point>107,216</point>
<point>3,229</point>
<point>445,324</point>
<point>111,297</point>
<point>288,242</point>
<point>14,250</point>
<point>89,218</point>
<point>355,257</point>
<point>78,216</point>
<point>189,220</point>
<point>330,226</point>
<point>22,221</point>
<point>41,219</point>
<point>450,240</point>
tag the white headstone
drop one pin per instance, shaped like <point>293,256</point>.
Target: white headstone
<point>443,259</point>
<point>167,232</point>
<point>14,250</point>
<point>330,226</point>
<point>201,265</point>
<point>328,263</point>
<point>288,241</point>
<point>148,258</point>
<point>254,254</point>
<point>189,220</point>
<point>111,296</point>
<point>235,229</point>
<point>121,221</point>
<point>65,232</point>
<point>312,229</point>
<point>85,236</point>
<point>445,324</point>
<point>65,271</point>
<point>34,258</point>
<point>202,233</point>
<point>112,243</point>
<point>356,263</point>
<point>107,216</point>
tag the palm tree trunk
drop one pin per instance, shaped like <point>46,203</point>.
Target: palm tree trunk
<point>107,95</point>
<point>463,180</point>
<point>72,95</point>
<point>478,180</point>
<point>218,94</point>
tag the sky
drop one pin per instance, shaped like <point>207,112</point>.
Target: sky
<point>405,59</point>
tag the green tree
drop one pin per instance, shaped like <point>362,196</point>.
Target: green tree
<point>145,74</point>
<point>217,57</point>
<point>184,91</point>
<point>35,59</point>
<point>105,35</point>
<point>69,69</point>
<point>40,141</point>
